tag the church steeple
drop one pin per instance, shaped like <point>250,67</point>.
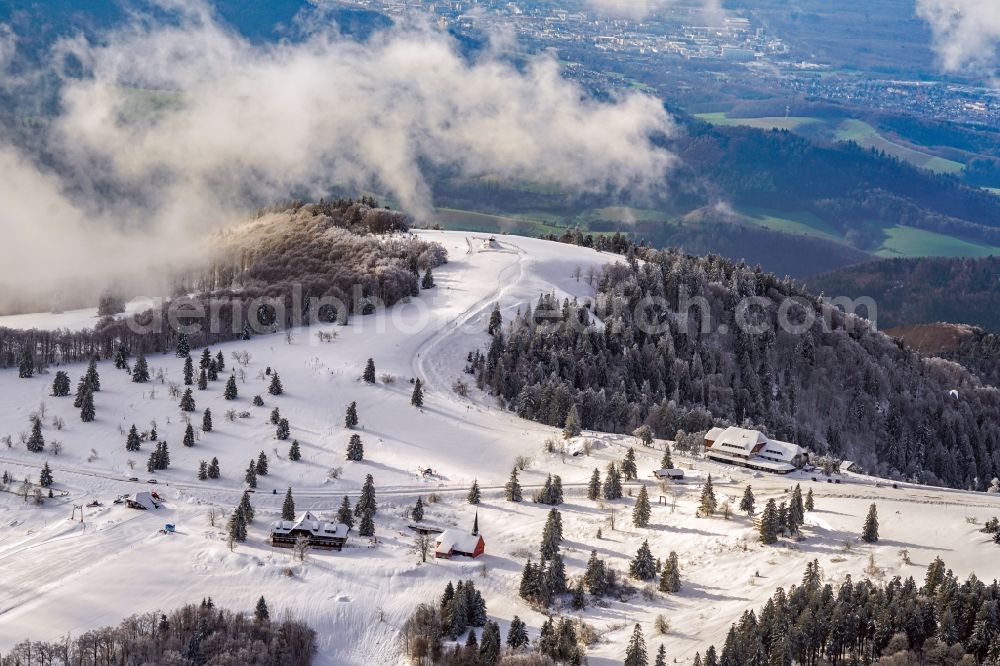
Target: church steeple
<point>475,525</point>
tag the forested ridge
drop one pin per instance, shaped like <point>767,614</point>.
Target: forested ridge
<point>957,290</point>
<point>842,389</point>
<point>351,251</point>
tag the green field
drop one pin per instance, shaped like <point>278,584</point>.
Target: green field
<point>911,242</point>
<point>801,222</point>
<point>865,135</point>
<point>898,241</point>
<point>845,130</point>
<point>766,123</point>
<point>467,220</point>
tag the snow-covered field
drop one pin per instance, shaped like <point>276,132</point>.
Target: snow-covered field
<point>59,576</point>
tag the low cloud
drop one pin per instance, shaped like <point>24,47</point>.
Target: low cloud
<point>182,120</point>
<point>966,32</point>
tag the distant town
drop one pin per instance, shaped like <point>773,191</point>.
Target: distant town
<point>680,34</point>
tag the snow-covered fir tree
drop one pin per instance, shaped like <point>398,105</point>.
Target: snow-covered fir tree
<point>288,506</point>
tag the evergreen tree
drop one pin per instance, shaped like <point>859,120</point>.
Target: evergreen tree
<point>133,442</point>
<point>257,401</point>
<point>26,366</point>
<point>769,523</point>
<point>183,345</point>
<point>417,398</point>
<point>251,475</point>
<point>643,566</point>
<point>121,357</point>
<point>810,504</point>
<point>36,441</point>
<point>188,371</point>
<point>60,385</point>
<point>202,470</point>
<point>261,614</point>
<point>231,392</point>
<point>189,436</point>
<point>796,510</point>
<point>629,470</point>
<point>203,380</point>
<point>474,496</point>
<point>571,426</point>
<point>344,514</point>
<point>246,507</point>
<point>517,635</point>
<point>213,469</point>
<point>92,377</point>
<point>417,513</point>
<point>612,483</point>
<point>661,656</point>
<point>351,420</point>
<point>288,507</point>
<point>355,449</point>
<point>496,320</point>
<point>552,536</point>
<point>293,451</point>
<point>206,420</point>
<point>670,578</point>
<point>366,503</point>
<point>45,476</point>
<point>140,372</point>
<point>366,527</point>
<point>489,647</point>
<point>206,358</point>
<point>82,387</point>
<point>747,503</point>
<point>594,487</point>
<point>369,373</point>
<point>187,401</point>
<point>512,490</point>
<point>220,362</point>
<point>275,388</point>
<point>635,653</point>
<point>262,469</point>
<point>275,416</point>
<point>642,510</point>
<point>428,280</point>
<point>237,526</point>
<point>666,462</point>
<point>87,411</point>
<point>213,371</point>
<point>152,432</point>
<point>707,504</point>
<point>283,430</point>
<point>870,532</point>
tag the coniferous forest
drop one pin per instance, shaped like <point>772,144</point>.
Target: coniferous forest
<point>838,388</point>
<point>193,634</point>
<point>944,622</point>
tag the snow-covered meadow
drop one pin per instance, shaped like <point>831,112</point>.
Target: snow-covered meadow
<point>59,576</point>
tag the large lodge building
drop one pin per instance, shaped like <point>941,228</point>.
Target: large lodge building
<point>754,450</point>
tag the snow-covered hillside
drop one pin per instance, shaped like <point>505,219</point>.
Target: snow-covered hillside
<point>58,576</point>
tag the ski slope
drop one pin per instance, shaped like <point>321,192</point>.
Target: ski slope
<point>59,576</point>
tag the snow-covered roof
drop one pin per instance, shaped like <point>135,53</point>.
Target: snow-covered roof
<point>308,522</point>
<point>738,440</point>
<point>714,433</point>
<point>671,473</point>
<point>144,499</point>
<point>460,540</point>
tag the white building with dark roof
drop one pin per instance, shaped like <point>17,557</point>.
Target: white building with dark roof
<point>753,449</point>
<point>321,534</point>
